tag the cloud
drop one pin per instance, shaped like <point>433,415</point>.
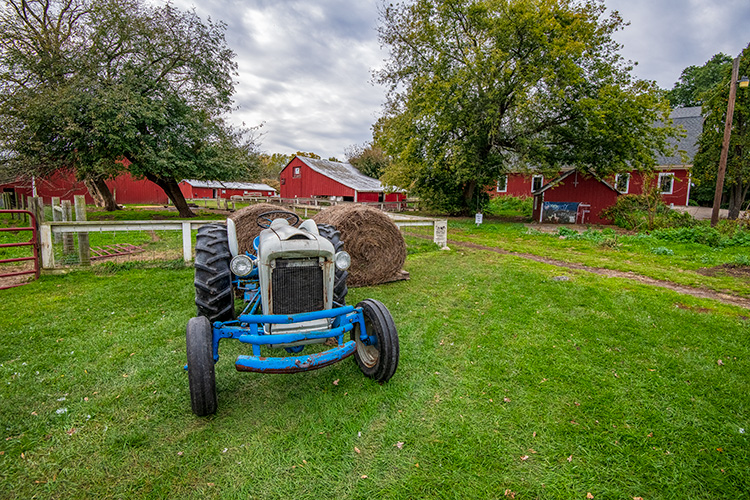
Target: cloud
<point>666,36</point>
<point>306,66</point>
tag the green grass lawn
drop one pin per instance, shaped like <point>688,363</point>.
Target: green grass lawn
<point>640,253</point>
<point>511,379</point>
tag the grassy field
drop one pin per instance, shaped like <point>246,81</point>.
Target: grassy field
<point>517,380</point>
<point>684,263</point>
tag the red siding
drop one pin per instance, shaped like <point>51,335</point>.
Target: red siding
<point>125,189</point>
<point>199,193</point>
<point>519,185</point>
<point>578,188</point>
<point>680,186</point>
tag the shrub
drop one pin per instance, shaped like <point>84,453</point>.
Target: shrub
<point>637,212</point>
<point>725,234</point>
<point>510,206</point>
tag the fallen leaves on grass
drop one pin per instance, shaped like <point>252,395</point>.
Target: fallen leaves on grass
<point>357,450</point>
<point>399,445</point>
<point>570,458</point>
<point>589,496</point>
<point>363,476</point>
<point>524,458</point>
<point>336,382</point>
<point>510,494</point>
<point>719,362</point>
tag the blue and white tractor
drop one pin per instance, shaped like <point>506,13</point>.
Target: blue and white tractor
<point>294,289</point>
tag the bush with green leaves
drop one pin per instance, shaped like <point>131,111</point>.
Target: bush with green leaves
<point>727,234</point>
<point>510,206</point>
<point>648,212</point>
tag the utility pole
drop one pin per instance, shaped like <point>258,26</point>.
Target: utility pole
<point>725,144</point>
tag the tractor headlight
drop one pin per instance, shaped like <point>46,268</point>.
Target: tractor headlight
<point>241,265</point>
<point>342,260</point>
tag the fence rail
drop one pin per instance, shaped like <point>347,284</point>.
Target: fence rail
<point>48,230</point>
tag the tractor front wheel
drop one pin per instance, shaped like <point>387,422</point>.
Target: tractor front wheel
<point>201,375</point>
<point>377,358</point>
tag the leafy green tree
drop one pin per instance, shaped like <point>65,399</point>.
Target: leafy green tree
<point>308,155</point>
<point>368,159</point>
<point>695,81</point>
<point>105,85</point>
<point>706,162</point>
<point>477,88</point>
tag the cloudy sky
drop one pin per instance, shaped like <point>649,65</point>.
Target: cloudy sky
<point>306,65</point>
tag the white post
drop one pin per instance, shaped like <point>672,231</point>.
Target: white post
<point>56,215</point>
<point>187,245</point>
<point>48,255</point>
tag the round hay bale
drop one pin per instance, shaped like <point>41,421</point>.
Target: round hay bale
<point>245,220</point>
<point>374,242</point>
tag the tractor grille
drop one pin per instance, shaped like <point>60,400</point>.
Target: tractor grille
<point>296,286</point>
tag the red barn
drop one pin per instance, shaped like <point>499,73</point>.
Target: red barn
<point>312,178</point>
<point>64,185</point>
<point>574,198</point>
<point>193,189</point>
<point>672,174</point>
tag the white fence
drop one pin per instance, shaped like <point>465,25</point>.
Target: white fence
<point>51,231</point>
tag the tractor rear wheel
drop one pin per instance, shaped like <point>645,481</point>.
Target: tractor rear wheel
<point>378,360</point>
<point>214,297</point>
<point>340,289</point>
<point>201,375</point>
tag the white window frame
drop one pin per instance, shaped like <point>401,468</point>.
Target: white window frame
<point>296,171</point>
<point>670,175</point>
<point>541,183</point>
<point>627,183</point>
<point>497,186</point>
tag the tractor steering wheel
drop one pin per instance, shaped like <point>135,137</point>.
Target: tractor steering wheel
<point>264,220</point>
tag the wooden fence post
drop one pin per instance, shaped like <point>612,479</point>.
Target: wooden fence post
<point>84,251</point>
<point>67,215</point>
<point>56,216</point>
<point>47,253</point>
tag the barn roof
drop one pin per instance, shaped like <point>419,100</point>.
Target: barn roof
<point>344,173</point>
<point>690,121</point>
<point>554,182</point>
<point>246,186</point>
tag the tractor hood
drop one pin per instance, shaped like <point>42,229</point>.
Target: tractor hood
<point>281,240</point>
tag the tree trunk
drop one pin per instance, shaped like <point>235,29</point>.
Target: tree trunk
<point>737,195</point>
<point>469,189</point>
<point>101,194</point>
<point>172,189</point>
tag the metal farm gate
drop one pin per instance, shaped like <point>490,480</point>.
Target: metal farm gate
<point>33,242</point>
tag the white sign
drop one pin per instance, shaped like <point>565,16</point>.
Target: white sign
<point>440,236</point>
<point>478,219</point>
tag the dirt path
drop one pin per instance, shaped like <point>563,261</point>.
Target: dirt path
<point>703,293</point>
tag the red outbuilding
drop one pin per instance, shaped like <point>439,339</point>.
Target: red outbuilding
<point>125,189</point>
<point>590,195</point>
<point>194,189</point>
<point>313,178</point>
<point>574,198</point>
